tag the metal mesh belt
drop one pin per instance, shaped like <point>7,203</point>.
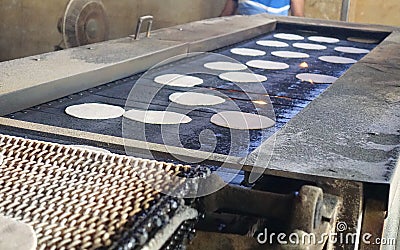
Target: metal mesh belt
<point>77,199</point>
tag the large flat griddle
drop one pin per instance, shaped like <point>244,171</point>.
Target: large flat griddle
<point>288,96</point>
<point>350,132</point>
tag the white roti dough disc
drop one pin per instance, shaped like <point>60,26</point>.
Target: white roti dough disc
<point>290,54</point>
<point>269,43</point>
<point>362,40</point>
<point>337,59</point>
<point>195,99</point>
<point>352,50</point>
<point>178,80</point>
<point>244,77</point>
<point>248,52</point>
<point>16,235</point>
<point>323,39</point>
<point>229,66</point>
<point>262,64</point>
<point>94,111</point>
<point>316,78</point>
<point>286,36</point>
<point>240,120</point>
<point>309,46</point>
<point>157,117</point>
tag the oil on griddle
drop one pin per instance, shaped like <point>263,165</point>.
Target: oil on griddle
<point>287,94</point>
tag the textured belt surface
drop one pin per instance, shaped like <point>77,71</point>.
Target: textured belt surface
<point>77,199</point>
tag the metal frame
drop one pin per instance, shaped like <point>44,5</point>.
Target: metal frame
<point>90,66</point>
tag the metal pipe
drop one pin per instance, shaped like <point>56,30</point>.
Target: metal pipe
<point>139,26</point>
<point>344,15</point>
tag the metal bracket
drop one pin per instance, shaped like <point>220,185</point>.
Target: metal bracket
<point>246,201</point>
<point>139,26</point>
<point>308,211</point>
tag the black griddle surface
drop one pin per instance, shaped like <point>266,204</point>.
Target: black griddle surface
<point>288,95</point>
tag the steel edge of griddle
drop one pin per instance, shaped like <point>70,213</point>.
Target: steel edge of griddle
<point>77,69</point>
<point>333,24</point>
<point>141,148</point>
<point>90,68</point>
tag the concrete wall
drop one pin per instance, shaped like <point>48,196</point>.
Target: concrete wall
<point>29,27</point>
<point>123,14</point>
<point>323,9</point>
<point>384,12</point>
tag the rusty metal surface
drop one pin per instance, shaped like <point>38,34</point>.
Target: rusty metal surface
<point>373,223</point>
<point>218,241</point>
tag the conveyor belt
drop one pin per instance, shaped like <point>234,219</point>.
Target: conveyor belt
<point>288,95</point>
<point>80,199</point>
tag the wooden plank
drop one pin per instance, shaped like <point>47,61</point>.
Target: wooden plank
<point>375,12</point>
<point>334,24</point>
